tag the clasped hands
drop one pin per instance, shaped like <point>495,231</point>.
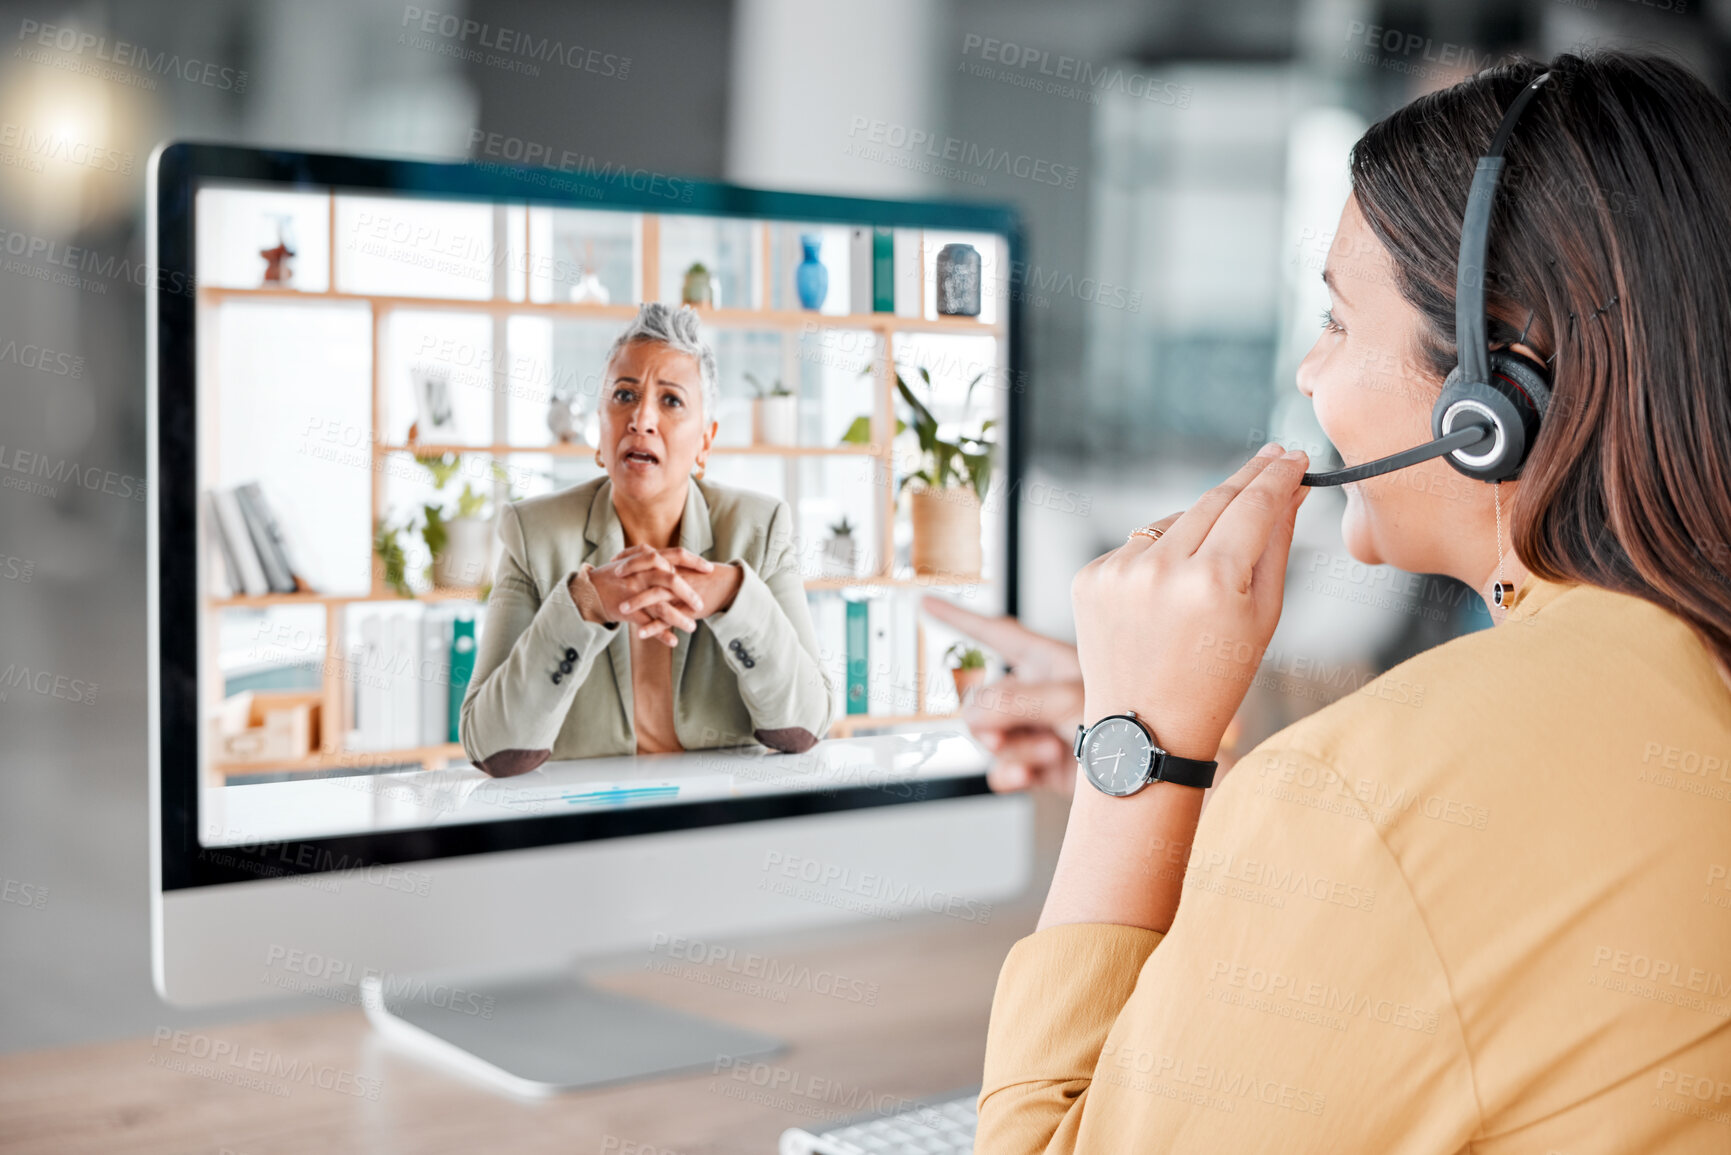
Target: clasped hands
<point>657,591</point>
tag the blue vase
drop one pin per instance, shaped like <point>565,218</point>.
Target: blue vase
<point>811,278</point>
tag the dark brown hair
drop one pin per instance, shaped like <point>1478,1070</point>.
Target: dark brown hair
<point>1611,246</point>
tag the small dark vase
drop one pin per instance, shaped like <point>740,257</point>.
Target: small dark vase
<point>958,278</point>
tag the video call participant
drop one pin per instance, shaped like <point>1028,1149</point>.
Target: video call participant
<point>717,646</point>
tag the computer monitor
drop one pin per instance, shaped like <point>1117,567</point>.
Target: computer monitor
<point>354,365</point>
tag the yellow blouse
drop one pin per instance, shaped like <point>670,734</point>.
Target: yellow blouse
<point>1483,904</point>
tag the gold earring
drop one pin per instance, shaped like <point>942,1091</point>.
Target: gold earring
<point>701,466</point>
<point>599,464</point>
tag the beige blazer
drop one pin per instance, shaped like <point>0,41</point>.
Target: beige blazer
<point>548,683</point>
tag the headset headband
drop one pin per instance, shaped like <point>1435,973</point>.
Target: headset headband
<point>1472,341</point>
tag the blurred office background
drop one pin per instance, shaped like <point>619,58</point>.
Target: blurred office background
<point>1180,165</point>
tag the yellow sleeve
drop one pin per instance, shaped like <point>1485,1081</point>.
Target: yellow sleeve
<point>1058,994</point>
<point>1297,1003</point>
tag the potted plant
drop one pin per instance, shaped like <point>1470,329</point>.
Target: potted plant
<point>967,666</point>
<point>949,488</point>
<point>699,286</point>
<point>838,550</point>
<point>774,414</point>
<point>458,534</point>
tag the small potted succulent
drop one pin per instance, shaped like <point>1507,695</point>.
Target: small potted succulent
<point>699,286</point>
<point>774,414</point>
<point>967,666</point>
<point>838,549</point>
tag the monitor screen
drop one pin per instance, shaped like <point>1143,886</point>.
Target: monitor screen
<point>363,367</point>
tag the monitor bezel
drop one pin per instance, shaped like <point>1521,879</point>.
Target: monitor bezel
<point>178,170</point>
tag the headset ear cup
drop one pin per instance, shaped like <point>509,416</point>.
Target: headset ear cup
<point>1515,401</point>
<point>1528,389</point>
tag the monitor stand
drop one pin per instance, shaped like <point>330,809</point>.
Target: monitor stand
<point>537,1036</point>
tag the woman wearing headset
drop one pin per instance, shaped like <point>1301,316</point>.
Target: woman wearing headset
<point>1496,919</point>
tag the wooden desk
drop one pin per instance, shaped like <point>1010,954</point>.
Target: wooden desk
<point>348,1090</point>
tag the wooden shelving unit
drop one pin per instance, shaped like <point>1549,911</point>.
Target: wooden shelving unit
<point>335,720</point>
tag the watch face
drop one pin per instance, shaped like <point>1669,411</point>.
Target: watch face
<point>1115,756</point>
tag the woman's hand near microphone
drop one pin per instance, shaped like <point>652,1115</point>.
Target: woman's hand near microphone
<point>1150,616</point>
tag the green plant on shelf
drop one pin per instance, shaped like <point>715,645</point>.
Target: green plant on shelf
<point>842,528</point>
<point>962,656</point>
<point>462,522</point>
<point>944,463</point>
<point>775,390</point>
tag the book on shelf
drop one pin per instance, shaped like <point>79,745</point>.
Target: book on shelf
<point>892,687</point>
<point>858,655</point>
<point>435,669</point>
<point>880,651</point>
<point>404,655</point>
<point>410,666</point>
<point>225,579</point>
<point>859,269</point>
<point>231,524</point>
<point>883,271</point>
<point>829,622</point>
<point>267,536</point>
<point>371,702</point>
<point>908,272</point>
<point>462,669</point>
<point>904,637</point>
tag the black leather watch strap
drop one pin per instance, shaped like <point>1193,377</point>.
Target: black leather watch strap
<point>1183,771</point>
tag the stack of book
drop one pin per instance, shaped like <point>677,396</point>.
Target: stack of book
<point>410,666</point>
<point>249,554</point>
<point>885,270</point>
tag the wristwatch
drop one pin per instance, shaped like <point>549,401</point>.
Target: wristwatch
<point>1120,756</point>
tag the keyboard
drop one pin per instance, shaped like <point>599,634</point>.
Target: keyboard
<point>941,1127</point>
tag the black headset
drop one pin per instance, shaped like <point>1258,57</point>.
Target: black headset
<point>1492,402</point>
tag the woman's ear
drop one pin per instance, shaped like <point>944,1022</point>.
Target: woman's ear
<point>1528,352</point>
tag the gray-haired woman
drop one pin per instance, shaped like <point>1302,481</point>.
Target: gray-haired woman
<point>718,647</point>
